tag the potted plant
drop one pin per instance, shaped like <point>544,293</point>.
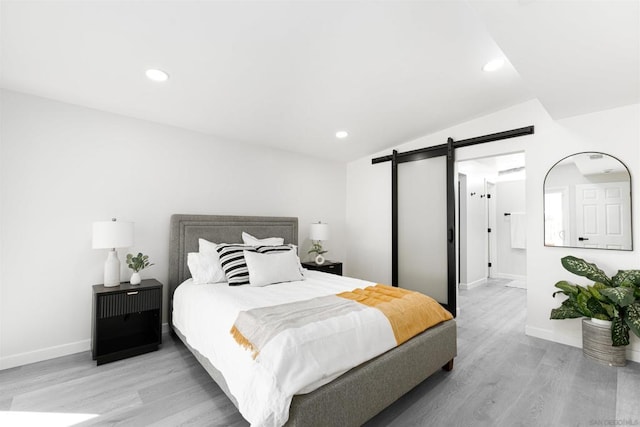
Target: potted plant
<point>615,300</point>
<point>137,263</point>
<point>316,248</point>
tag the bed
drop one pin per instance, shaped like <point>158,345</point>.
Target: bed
<point>352,398</point>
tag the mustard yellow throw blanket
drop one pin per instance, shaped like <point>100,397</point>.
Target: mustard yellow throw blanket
<point>408,312</point>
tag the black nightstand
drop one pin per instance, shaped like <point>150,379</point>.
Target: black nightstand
<point>328,267</point>
<point>126,320</point>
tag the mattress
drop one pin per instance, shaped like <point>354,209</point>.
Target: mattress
<point>297,359</point>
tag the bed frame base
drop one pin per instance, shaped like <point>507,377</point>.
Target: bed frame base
<point>364,391</point>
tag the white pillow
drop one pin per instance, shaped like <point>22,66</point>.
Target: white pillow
<point>274,267</point>
<point>248,239</point>
<point>206,246</point>
<point>201,268</point>
<point>193,262</point>
<point>209,269</point>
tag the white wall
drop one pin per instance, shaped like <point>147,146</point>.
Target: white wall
<point>510,197</point>
<point>368,221</point>
<point>63,167</point>
<point>615,131</point>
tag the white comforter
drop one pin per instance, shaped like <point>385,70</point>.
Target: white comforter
<point>204,314</point>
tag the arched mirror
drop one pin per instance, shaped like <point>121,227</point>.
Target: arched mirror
<point>587,203</point>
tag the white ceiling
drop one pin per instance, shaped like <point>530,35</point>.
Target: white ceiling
<point>494,164</point>
<point>290,74</point>
<point>596,164</point>
<point>577,56</point>
<point>508,167</point>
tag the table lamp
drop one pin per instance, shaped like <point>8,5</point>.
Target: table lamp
<point>111,235</point>
<point>317,233</point>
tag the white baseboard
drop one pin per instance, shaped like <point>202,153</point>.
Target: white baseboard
<point>633,354</point>
<point>51,352</point>
<point>474,284</point>
<point>545,334</point>
<point>44,354</point>
<point>574,341</point>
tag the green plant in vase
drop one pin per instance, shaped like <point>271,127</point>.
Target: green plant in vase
<point>615,299</point>
<point>316,248</point>
<point>137,263</point>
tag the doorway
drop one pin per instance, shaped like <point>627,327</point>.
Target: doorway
<point>491,214</point>
<point>447,151</point>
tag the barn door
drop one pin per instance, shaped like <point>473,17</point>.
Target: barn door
<point>422,228</point>
<point>423,247</point>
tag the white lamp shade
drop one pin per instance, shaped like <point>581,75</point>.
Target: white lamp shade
<point>319,231</point>
<point>112,234</point>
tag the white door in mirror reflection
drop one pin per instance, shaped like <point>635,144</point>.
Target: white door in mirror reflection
<point>602,216</point>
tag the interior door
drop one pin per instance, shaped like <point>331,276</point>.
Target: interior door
<point>435,271</point>
<point>422,227</point>
<point>602,219</point>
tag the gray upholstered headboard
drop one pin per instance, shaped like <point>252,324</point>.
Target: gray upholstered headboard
<point>187,229</point>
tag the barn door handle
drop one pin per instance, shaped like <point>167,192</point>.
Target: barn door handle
<point>450,235</point>
<point>582,239</point>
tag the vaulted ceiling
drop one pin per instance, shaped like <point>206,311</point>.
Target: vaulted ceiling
<point>291,74</point>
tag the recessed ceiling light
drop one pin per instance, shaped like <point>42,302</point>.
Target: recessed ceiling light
<point>493,65</point>
<point>157,75</point>
<point>342,134</point>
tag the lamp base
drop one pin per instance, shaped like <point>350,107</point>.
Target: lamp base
<point>319,259</point>
<point>112,270</point>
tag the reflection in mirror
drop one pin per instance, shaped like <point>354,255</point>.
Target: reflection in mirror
<point>587,203</point>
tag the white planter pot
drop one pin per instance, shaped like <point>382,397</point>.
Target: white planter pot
<point>597,344</point>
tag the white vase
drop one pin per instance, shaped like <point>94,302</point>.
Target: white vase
<point>135,279</point>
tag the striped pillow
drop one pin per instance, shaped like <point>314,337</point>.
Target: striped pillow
<point>235,266</point>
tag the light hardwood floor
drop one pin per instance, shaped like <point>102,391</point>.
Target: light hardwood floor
<point>501,378</point>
